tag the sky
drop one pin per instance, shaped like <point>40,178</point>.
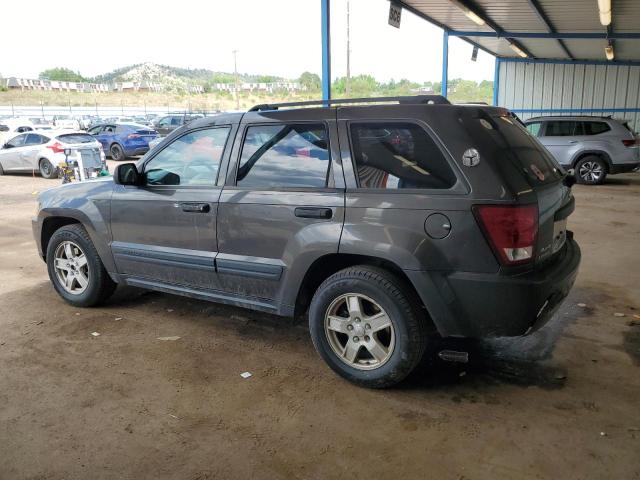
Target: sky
<point>273,37</point>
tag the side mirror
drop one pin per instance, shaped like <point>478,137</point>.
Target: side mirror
<point>6,145</point>
<point>127,174</point>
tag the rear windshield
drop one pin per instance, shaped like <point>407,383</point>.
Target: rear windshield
<point>510,141</point>
<point>76,138</point>
<point>4,128</point>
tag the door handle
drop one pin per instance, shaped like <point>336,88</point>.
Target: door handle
<point>195,207</point>
<point>313,212</point>
<point>572,142</point>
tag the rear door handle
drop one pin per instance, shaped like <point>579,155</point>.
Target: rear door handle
<point>313,212</point>
<point>195,207</point>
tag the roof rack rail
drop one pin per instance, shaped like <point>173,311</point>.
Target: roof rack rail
<point>406,100</point>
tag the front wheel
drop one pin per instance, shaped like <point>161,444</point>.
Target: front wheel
<point>117,153</point>
<point>75,268</point>
<point>367,326</point>
<point>47,170</point>
<point>591,170</point>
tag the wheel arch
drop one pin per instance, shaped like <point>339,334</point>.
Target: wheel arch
<point>49,227</point>
<point>325,266</point>
<point>597,153</point>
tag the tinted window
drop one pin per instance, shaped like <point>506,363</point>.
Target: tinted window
<point>164,122</point>
<point>24,129</point>
<point>16,141</point>
<point>4,128</point>
<point>499,138</point>
<point>176,120</point>
<point>192,159</point>
<point>398,155</point>
<point>594,128</point>
<point>534,128</point>
<point>76,138</point>
<point>284,156</point>
<point>562,129</point>
<point>34,139</point>
<point>95,130</point>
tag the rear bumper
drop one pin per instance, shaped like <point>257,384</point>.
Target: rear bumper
<point>493,305</point>
<point>132,151</point>
<point>624,167</point>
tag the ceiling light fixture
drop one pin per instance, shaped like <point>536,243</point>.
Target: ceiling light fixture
<point>604,8</point>
<point>471,15</point>
<point>518,50</point>
<point>608,51</point>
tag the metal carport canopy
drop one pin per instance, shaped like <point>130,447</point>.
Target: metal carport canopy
<point>549,31</point>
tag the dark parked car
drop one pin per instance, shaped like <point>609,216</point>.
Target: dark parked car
<point>385,223</point>
<point>123,140</point>
<point>167,124</point>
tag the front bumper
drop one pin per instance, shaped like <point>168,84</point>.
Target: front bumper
<point>36,227</point>
<point>492,305</point>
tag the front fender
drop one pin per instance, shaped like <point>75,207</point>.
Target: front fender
<point>88,203</point>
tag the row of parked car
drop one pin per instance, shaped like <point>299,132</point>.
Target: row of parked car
<point>29,144</point>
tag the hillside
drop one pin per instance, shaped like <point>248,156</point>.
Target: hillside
<point>174,78</point>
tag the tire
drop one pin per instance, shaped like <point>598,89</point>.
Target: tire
<point>99,286</point>
<point>403,342</point>
<point>47,170</point>
<point>117,153</point>
<point>591,170</point>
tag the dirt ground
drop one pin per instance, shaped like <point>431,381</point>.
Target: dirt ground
<point>563,403</point>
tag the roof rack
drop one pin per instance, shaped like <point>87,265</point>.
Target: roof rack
<point>406,100</point>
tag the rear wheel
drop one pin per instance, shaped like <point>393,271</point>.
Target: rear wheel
<point>117,153</point>
<point>591,170</point>
<point>47,170</point>
<point>75,268</point>
<point>367,326</point>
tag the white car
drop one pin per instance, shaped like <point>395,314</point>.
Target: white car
<point>11,126</point>
<point>43,151</point>
<point>66,121</point>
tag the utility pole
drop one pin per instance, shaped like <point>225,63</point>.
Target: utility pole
<point>235,74</point>
<point>348,83</point>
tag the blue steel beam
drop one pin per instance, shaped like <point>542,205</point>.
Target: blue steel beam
<point>496,82</point>
<point>445,63</point>
<point>547,35</point>
<point>326,48</point>
<point>632,63</point>
<point>542,15</point>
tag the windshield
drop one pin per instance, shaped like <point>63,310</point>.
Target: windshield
<point>76,138</point>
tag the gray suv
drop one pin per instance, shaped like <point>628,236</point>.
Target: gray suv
<point>593,146</point>
<point>388,224</point>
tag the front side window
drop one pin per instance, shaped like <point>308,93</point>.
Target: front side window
<point>16,141</point>
<point>398,155</point>
<point>285,156</point>
<point>534,128</point>
<point>562,129</point>
<point>192,159</point>
<point>164,122</point>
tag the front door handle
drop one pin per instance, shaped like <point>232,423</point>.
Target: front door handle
<point>313,212</point>
<point>195,207</point>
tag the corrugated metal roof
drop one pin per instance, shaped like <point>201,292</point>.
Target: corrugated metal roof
<point>565,16</point>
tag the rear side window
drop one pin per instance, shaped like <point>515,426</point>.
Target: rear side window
<point>594,128</point>
<point>34,139</point>
<point>76,138</point>
<point>563,129</point>
<point>284,156</point>
<point>398,155</point>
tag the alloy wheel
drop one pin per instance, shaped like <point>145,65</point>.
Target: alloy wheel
<point>591,171</point>
<point>71,267</point>
<point>359,331</point>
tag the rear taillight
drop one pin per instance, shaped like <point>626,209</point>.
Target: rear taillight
<point>57,147</point>
<point>133,135</point>
<point>630,143</point>
<point>511,230</point>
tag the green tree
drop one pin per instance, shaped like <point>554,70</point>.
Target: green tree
<point>310,81</point>
<point>61,74</point>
